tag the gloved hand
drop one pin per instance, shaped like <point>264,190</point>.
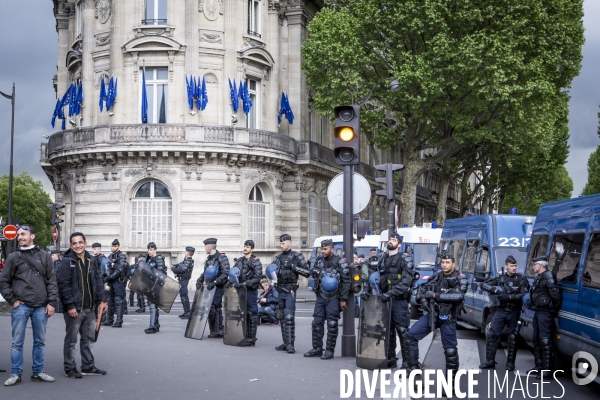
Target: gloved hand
<point>425,307</point>
<point>504,297</point>
<point>239,285</point>
<point>385,297</point>
<point>365,296</point>
<point>228,285</point>
<point>429,294</point>
<point>210,286</point>
<point>106,279</point>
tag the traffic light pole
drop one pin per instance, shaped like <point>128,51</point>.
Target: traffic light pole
<point>348,334</point>
<point>9,244</point>
<point>57,244</point>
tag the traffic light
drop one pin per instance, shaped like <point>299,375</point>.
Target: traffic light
<point>388,180</point>
<point>347,135</point>
<point>356,278</point>
<point>57,213</point>
<point>362,226</point>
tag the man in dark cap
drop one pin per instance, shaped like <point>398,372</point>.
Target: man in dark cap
<point>183,272</point>
<point>545,301</point>
<point>220,260</point>
<point>396,274</point>
<point>332,285</point>
<point>447,289</point>
<point>116,272</point>
<point>154,261</point>
<point>510,288</point>
<point>97,253</point>
<point>250,273</point>
<point>373,260</point>
<point>290,265</point>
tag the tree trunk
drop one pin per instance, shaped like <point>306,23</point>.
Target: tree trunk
<point>440,218</point>
<point>487,200</point>
<point>408,198</point>
<point>464,194</point>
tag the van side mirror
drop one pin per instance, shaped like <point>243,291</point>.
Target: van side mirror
<point>480,274</point>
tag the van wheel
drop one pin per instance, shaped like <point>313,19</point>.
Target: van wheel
<point>414,311</point>
<point>486,325</point>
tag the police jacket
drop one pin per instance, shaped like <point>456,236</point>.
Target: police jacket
<point>184,269</point>
<point>157,262</point>
<point>28,276</point>
<point>117,267</point>
<point>449,291</point>
<point>221,261</point>
<point>514,287</point>
<point>291,264</point>
<point>71,285</point>
<point>396,276</point>
<point>545,294</point>
<point>337,267</point>
<point>272,297</point>
<point>250,271</point>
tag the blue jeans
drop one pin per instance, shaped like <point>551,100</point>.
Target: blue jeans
<point>19,317</point>
<point>268,312</point>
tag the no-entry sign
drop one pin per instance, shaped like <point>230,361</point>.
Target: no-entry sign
<point>10,232</point>
<point>54,234</point>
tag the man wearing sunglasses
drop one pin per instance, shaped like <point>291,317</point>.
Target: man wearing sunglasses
<point>28,283</point>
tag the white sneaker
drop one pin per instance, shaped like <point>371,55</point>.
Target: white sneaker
<point>12,380</point>
<point>42,377</point>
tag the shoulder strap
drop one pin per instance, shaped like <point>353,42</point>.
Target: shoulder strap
<point>34,269</point>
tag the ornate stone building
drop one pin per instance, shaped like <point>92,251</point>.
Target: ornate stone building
<point>187,175</point>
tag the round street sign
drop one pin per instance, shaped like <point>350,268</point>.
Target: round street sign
<point>361,193</point>
<point>10,232</point>
<point>54,234</point>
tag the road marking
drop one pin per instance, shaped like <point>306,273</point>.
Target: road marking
<point>468,354</point>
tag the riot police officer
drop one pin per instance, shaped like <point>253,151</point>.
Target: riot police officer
<point>116,272</point>
<point>220,260</point>
<point>510,289</point>
<point>396,277</point>
<point>445,292</point>
<point>290,264</point>
<point>373,260</point>
<point>545,301</point>
<point>154,261</point>
<point>141,300</point>
<point>183,272</point>
<point>332,285</point>
<point>250,269</point>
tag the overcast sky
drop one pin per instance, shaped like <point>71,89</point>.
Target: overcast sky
<point>28,57</point>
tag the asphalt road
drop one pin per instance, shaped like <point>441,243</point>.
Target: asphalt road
<point>167,365</point>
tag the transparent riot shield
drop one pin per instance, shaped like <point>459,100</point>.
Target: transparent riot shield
<point>234,307</point>
<point>199,314</point>
<point>373,334</point>
<point>156,286</point>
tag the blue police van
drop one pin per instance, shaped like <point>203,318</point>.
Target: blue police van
<point>480,245</point>
<point>568,233</point>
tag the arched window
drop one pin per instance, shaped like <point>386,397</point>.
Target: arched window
<point>325,217</point>
<point>313,218</point>
<point>257,210</point>
<point>151,216</point>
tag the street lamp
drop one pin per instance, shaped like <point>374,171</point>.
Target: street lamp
<point>10,174</point>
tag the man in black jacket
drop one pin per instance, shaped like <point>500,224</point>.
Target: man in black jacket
<point>115,276</point>
<point>154,261</point>
<point>81,289</point>
<point>183,272</point>
<point>28,284</point>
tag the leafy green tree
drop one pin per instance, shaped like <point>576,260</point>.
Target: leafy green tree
<point>29,204</point>
<point>593,183</point>
<point>471,71</point>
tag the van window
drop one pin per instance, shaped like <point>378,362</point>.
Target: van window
<point>456,248</point>
<point>470,256</point>
<point>591,274</point>
<point>565,255</point>
<point>485,259</point>
<point>539,244</point>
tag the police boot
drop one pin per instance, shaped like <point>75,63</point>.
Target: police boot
<point>318,331</point>
<point>119,309</point>
<point>332,334</point>
<point>290,331</point>
<point>282,347</point>
<point>546,371</point>
<point>212,317</point>
<point>186,309</point>
<point>537,357</point>
<point>404,346</point>
<point>391,354</point>
<point>413,359</point>
<point>157,324</point>
<point>109,318</point>
<point>140,310</point>
<point>130,301</point>
<point>491,346</point>
<point>125,311</point>
<point>219,322</point>
<point>451,365</point>
<point>251,324</point>
<point>512,352</point>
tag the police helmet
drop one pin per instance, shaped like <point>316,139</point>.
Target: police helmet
<point>271,272</point>
<point>234,275</point>
<point>374,280</point>
<point>210,273</point>
<point>329,283</point>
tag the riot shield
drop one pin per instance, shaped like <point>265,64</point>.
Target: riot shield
<point>373,334</point>
<point>234,333</point>
<point>199,314</point>
<point>156,286</point>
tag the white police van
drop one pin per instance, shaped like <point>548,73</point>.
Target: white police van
<point>360,246</point>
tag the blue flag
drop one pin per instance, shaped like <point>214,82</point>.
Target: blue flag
<point>71,98</point>
<point>289,115</point>
<point>198,92</point>
<point>56,112</point>
<point>114,96</point>
<point>234,96</point>
<point>189,93</point>
<point>110,92</point>
<point>102,93</point>
<point>144,98</point>
<point>281,109</point>
<point>79,98</point>
<point>246,99</point>
<point>204,95</point>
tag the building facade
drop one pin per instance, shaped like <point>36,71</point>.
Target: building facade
<point>188,174</point>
